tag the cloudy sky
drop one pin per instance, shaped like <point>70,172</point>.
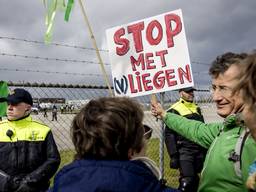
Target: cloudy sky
<point>212,28</point>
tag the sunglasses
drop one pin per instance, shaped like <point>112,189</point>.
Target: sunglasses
<point>147,132</point>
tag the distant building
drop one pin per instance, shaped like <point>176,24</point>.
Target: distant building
<point>77,104</point>
<point>47,102</point>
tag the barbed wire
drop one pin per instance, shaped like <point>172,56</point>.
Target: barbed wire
<point>49,59</point>
<point>73,46</point>
<point>54,85</point>
<point>68,60</point>
<point>200,63</point>
<point>73,73</point>
<point>49,72</point>
<point>201,73</point>
<point>53,43</point>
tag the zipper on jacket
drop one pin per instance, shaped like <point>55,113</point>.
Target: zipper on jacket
<point>208,156</point>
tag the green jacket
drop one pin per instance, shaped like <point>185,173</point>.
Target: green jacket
<point>218,174</point>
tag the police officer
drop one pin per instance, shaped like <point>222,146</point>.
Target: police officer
<point>185,155</point>
<point>29,156</point>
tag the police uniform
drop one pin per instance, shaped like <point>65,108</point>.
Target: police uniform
<point>29,156</point>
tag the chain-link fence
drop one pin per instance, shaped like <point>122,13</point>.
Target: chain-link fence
<point>69,101</point>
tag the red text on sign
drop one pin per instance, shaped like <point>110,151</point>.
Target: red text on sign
<point>164,78</point>
<point>136,31</point>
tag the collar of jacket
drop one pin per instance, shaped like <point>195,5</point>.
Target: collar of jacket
<point>24,117</point>
<point>233,120</point>
<point>22,121</point>
<point>187,103</point>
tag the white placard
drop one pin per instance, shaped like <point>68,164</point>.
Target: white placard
<point>150,55</point>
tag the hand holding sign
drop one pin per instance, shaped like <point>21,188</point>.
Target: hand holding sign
<point>156,108</point>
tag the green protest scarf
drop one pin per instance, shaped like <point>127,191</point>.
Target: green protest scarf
<point>3,93</point>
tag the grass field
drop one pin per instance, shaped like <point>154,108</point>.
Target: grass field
<point>170,175</point>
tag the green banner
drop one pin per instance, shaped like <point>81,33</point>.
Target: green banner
<point>3,93</point>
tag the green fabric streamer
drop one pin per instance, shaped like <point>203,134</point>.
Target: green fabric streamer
<point>3,93</point>
<point>68,9</point>
<point>51,12</point>
<point>52,6</point>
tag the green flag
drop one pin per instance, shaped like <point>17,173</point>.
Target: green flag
<point>3,93</point>
<point>68,9</point>
<point>52,6</point>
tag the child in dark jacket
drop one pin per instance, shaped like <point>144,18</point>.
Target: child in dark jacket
<point>108,136</point>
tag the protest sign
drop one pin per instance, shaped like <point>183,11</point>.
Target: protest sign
<point>150,55</point>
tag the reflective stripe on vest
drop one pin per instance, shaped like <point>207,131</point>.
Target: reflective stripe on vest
<point>23,131</point>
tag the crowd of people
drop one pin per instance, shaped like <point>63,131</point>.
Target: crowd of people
<point>110,141</point>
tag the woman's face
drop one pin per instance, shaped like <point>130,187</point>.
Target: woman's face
<point>249,116</point>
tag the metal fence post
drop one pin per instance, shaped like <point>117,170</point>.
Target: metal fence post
<point>161,144</point>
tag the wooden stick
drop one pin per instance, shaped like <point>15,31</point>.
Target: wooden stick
<point>96,48</point>
<point>153,99</point>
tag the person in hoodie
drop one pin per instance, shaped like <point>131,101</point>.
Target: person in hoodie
<point>109,141</point>
<point>231,149</point>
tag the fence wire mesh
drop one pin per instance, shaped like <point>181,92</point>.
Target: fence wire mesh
<point>70,100</point>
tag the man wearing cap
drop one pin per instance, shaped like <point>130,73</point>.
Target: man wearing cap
<point>185,155</point>
<point>29,156</point>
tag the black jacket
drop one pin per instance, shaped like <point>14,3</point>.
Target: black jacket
<point>29,153</point>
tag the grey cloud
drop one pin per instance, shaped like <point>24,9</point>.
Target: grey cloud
<point>212,28</point>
